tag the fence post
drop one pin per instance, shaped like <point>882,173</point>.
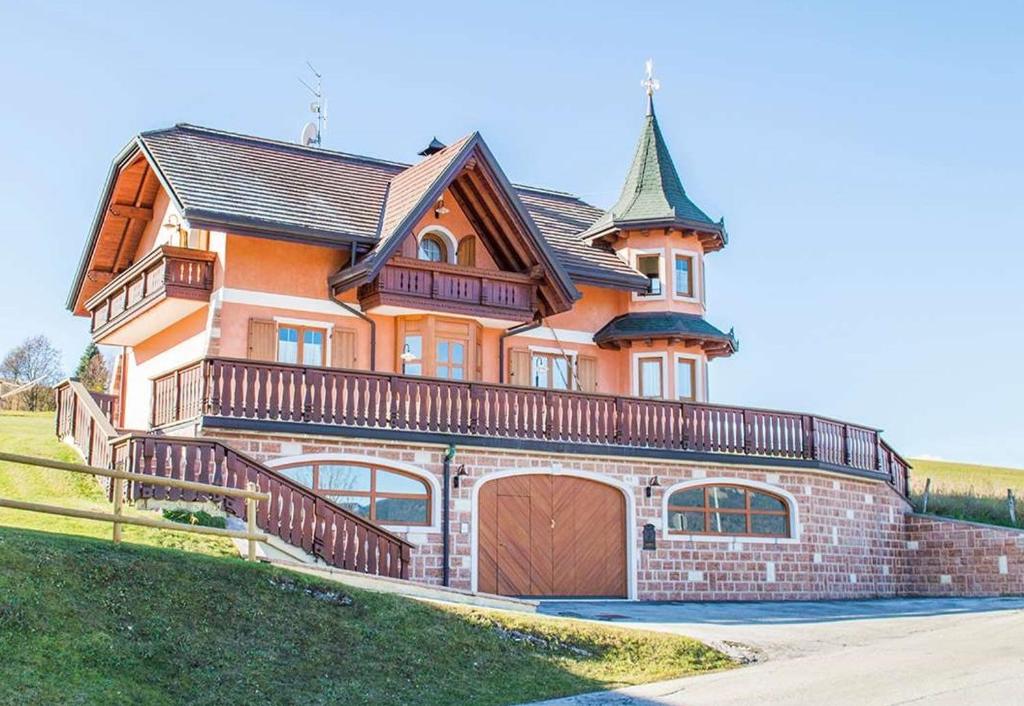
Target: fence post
<point>847,455</point>
<point>1011,504</point>
<point>118,507</point>
<point>927,493</point>
<point>250,520</point>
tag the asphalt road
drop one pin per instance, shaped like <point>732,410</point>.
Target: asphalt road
<point>922,651</point>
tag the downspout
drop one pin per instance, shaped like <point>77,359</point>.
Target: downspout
<point>446,495</point>
<point>521,328</point>
<point>361,315</point>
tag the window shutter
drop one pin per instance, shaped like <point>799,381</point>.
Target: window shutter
<point>587,373</point>
<point>466,254</point>
<point>343,348</point>
<point>519,367</point>
<point>262,340</point>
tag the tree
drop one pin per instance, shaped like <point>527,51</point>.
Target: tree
<point>34,360</point>
<point>92,370</point>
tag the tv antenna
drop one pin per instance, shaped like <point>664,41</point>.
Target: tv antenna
<point>312,133</point>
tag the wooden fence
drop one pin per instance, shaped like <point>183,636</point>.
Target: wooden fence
<point>245,389</point>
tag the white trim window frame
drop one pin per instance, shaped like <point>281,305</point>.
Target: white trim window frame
<point>696,276</point>
<point>635,372</point>
<point>635,256</point>
<point>327,327</point>
<point>699,379</point>
<point>450,241</point>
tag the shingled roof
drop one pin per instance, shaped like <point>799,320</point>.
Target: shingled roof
<point>666,324</point>
<point>254,185</point>
<point>653,194</point>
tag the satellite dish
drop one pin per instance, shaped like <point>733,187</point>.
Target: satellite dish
<point>310,135</point>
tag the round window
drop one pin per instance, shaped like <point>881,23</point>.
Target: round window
<point>432,249</point>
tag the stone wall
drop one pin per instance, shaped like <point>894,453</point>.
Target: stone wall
<point>954,558</point>
<point>850,541</point>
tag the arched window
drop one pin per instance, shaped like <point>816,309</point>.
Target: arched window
<point>381,494</point>
<point>733,510</point>
<point>433,248</point>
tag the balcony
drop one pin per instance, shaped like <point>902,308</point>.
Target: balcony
<point>168,283</point>
<point>252,395</point>
<point>405,283</point>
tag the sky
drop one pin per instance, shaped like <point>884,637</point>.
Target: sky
<point>868,159</point>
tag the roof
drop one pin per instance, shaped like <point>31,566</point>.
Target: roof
<point>664,324</point>
<point>653,194</point>
<point>255,184</point>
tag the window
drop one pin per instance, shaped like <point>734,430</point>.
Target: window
<point>650,377</point>
<point>684,276</point>
<point>686,379</point>
<point>552,371</point>
<point>437,347</point>
<point>650,265</point>
<point>379,494</point>
<point>297,344</point>
<point>728,510</point>
<point>451,358</point>
<point>412,354</point>
<point>433,248</point>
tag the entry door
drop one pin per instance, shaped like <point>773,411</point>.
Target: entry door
<point>543,535</point>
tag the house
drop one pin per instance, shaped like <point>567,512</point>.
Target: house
<point>507,386</point>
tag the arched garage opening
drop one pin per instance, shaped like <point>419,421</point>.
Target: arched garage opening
<point>552,533</point>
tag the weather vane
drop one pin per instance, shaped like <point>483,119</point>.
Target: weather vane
<point>650,85</point>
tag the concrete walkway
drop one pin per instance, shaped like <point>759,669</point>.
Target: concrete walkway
<point>935,651</point>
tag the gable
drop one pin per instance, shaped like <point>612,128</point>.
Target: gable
<point>469,173</point>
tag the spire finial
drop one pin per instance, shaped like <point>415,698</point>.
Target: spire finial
<point>650,85</point>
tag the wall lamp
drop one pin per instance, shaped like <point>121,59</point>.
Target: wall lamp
<point>651,484</point>
<point>459,473</point>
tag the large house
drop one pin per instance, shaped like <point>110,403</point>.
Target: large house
<point>449,377</point>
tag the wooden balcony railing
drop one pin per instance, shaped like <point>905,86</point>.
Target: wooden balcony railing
<point>166,272</point>
<point>294,513</point>
<point>451,288</point>
<point>244,389</point>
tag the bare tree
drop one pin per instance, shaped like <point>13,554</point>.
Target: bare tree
<point>34,360</point>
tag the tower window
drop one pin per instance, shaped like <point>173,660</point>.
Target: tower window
<point>650,266</point>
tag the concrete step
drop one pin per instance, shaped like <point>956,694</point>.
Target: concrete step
<point>410,589</point>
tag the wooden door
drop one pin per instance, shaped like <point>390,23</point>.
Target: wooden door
<point>543,535</point>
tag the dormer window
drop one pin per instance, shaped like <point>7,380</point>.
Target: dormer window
<point>433,248</point>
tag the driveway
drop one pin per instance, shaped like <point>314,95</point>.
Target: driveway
<point>907,651</point>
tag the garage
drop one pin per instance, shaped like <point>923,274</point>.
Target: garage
<point>551,535</point>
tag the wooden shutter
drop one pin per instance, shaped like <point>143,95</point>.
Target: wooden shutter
<point>262,340</point>
<point>519,367</point>
<point>466,254</point>
<point>343,348</point>
<point>587,371</point>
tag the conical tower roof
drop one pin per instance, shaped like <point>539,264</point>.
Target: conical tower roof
<point>653,195</point>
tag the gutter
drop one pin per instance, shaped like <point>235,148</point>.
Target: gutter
<point>364,317</point>
<point>446,529</point>
<point>521,328</point>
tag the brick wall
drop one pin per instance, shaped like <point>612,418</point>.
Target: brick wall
<point>850,545</point>
<point>953,558</point>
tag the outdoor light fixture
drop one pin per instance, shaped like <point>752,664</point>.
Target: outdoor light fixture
<point>652,483</point>
<point>407,357</point>
<point>441,209</point>
<point>456,479</point>
<point>173,223</point>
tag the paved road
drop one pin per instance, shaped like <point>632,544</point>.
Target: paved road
<point>853,652</point>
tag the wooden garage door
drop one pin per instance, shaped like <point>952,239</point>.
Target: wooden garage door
<point>542,535</point>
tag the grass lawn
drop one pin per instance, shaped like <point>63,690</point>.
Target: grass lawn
<point>84,621</point>
<point>968,492</point>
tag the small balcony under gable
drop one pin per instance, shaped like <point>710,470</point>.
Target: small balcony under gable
<point>162,288</point>
<point>406,283</point>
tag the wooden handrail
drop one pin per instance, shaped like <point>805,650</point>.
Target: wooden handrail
<point>246,389</point>
<point>138,477</point>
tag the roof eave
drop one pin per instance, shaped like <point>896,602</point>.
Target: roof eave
<point>259,228</point>
<point>603,278</point>
<point>124,155</point>
<point>618,224</point>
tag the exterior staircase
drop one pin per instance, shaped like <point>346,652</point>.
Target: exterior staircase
<point>295,514</point>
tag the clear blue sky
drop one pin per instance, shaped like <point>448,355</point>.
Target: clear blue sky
<point>868,158</point>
